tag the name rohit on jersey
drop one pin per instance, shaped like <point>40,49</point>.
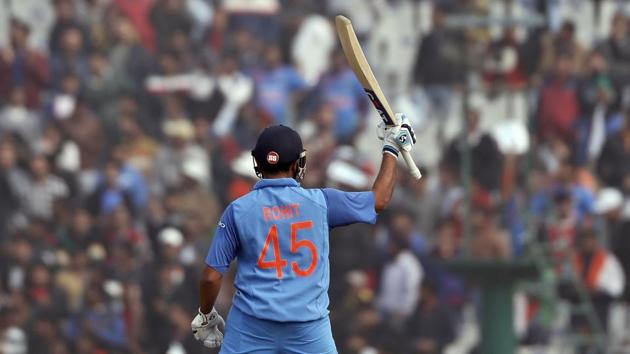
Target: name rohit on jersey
<point>281,212</point>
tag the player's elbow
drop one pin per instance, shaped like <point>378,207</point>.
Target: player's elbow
<point>210,276</point>
<point>381,202</point>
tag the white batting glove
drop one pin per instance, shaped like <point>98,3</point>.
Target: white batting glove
<point>205,328</point>
<point>398,137</point>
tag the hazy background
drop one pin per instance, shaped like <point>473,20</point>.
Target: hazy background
<point>126,126</point>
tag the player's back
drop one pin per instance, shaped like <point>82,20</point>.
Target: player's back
<point>279,234</point>
<point>282,232</point>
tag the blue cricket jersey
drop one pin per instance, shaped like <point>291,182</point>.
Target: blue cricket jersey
<point>279,234</point>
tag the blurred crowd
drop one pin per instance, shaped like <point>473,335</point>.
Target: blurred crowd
<point>126,126</point>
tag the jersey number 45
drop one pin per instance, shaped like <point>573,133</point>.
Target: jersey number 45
<point>278,263</point>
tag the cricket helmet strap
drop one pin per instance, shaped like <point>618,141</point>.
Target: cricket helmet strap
<point>301,166</point>
<point>279,146</point>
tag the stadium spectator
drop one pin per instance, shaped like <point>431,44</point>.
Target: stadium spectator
<point>433,327</point>
<point>489,241</point>
<point>127,57</point>
<point>237,89</point>
<point>485,158</point>
<point>318,133</point>
<point>561,226</point>
<point>450,287</point>
<point>71,57</point>
<point>136,146</point>
<point>598,103</point>
<point>313,59</point>
<point>13,339</point>
<point>23,67</point>
<point>81,126</point>
<point>63,153</point>
<point>502,65</point>
<point>563,44</point>
<point>181,151</point>
<point>103,90</point>
<point>40,190</point>
<point>616,49</point>
<point>559,107</point>
<point>422,200</point>
<point>276,85</point>
<point>17,119</point>
<point>610,205</point>
<point>570,180</point>
<point>342,92</point>
<point>400,286</point>
<point>65,18</point>
<point>601,273</point>
<point>260,18</point>
<point>611,165</point>
<point>100,319</point>
<point>117,189</point>
<point>80,234</point>
<point>438,66</point>
<point>10,177</point>
<point>169,18</point>
<point>121,140</point>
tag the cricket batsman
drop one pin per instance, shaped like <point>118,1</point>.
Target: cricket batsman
<point>279,234</point>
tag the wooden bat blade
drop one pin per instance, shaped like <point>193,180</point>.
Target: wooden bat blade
<point>361,68</point>
<point>352,49</point>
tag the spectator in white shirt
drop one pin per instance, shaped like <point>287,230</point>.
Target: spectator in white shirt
<point>39,193</point>
<point>312,46</point>
<point>18,119</point>
<point>400,283</point>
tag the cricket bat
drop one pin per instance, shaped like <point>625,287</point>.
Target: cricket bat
<point>361,68</point>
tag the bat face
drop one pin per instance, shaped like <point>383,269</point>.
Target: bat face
<point>387,119</point>
<point>361,68</point>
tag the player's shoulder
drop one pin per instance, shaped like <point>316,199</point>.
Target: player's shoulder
<point>243,202</point>
<point>315,195</point>
<point>332,193</point>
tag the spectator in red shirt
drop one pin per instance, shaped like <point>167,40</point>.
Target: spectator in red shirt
<point>502,65</point>
<point>559,106</point>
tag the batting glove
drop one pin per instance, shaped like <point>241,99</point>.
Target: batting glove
<point>205,328</point>
<point>397,137</point>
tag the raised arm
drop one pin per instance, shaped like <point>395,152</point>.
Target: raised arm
<point>383,187</point>
<point>394,139</point>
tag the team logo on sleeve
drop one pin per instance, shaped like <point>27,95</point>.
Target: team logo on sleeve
<point>273,158</point>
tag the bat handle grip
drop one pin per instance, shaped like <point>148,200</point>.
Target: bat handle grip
<point>411,164</point>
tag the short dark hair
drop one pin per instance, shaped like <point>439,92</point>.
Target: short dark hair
<point>562,195</point>
<point>22,25</point>
<point>568,25</point>
<point>586,232</point>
